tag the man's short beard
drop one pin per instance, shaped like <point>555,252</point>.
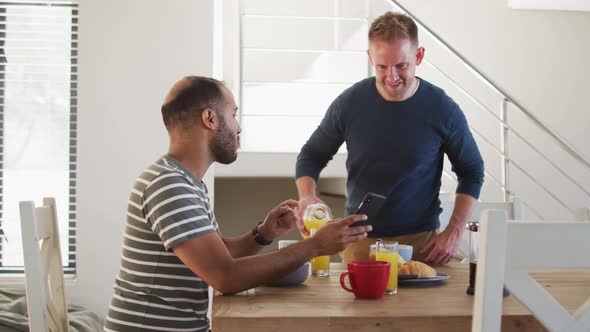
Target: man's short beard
<point>223,144</point>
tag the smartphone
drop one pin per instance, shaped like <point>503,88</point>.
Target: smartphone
<point>370,206</point>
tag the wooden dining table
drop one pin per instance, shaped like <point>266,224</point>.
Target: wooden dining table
<point>320,304</point>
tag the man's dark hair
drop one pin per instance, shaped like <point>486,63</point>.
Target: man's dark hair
<point>391,26</point>
<point>189,97</point>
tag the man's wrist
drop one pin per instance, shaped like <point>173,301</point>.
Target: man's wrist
<point>259,236</point>
<point>308,199</point>
<point>309,195</point>
<point>457,225</point>
<point>313,246</point>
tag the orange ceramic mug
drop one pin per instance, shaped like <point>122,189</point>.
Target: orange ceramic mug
<point>368,279</point>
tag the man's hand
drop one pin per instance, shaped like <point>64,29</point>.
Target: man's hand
<point>336,235</point>
<point>443,246</point>
<point>303,204</point>
<point>280,220</point>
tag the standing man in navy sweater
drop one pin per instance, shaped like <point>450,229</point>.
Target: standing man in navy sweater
<point>397,127</point>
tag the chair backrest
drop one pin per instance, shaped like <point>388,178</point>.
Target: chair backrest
<point>583,214</point>
<point>514,210</point>
<point>507,252</point>
<point>46,303</point>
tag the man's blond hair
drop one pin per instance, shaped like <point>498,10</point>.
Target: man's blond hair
<point>392,26</point>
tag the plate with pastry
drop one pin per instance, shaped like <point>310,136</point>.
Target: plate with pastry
<point>439,277</point>
<point>418,273</point>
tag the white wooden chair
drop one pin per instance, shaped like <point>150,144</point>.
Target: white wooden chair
<point>514,210</point>
<point>508,249</point>
<point>46,303</point>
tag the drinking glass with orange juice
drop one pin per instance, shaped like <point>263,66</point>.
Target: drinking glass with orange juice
<point>388,252</point>
<point>316,216</point>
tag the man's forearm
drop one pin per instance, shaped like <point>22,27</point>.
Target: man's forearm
<point>243,245</point>
<point>230,275</point>
<point>306,187</point>
<point>268,266</point>
<point>462,211</point>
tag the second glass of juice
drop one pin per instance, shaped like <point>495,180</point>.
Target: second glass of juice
<point>316,216</point>
<point>388,252</point>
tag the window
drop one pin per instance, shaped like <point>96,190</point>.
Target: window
<point>38,84</point>
<point>296,58</point>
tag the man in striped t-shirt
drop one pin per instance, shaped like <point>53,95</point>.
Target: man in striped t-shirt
<point>173,250</point>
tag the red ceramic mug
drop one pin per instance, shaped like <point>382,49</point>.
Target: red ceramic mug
<point>368,279</point>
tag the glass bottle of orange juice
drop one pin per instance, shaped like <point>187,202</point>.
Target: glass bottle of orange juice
<point>316,216</point>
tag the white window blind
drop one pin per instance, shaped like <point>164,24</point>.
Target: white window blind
<point>296,58</point>
<point>38,99</point>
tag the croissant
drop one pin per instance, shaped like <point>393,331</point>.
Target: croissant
<point>418,268</point>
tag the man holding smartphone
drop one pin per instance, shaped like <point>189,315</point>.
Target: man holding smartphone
<point>397,127</point>
<point>173,249</point>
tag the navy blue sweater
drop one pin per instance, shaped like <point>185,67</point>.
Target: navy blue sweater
<point>396,149</point>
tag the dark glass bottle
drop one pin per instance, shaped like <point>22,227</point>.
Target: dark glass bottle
<point>473,227</point>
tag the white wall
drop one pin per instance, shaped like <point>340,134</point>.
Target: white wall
<point>131,52</point>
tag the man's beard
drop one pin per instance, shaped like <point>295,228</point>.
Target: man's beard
<point>223,145</point>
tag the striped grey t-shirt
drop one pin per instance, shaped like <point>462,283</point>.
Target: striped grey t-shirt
<point>154,290</point>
